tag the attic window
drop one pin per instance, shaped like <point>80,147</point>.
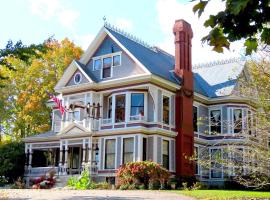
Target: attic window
<point>107,67</point>
<point>77,78</point>
<point>97,64</point>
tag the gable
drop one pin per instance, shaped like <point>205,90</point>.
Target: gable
<point>72,80</point>
<point>108,48</point>
<point>67,78</point>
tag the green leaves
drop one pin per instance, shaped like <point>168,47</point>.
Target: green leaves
<point>217,39</point>
<point>251,44</point>
<point>199,7</point>
<point>237,6</point>
<point>239,20</point>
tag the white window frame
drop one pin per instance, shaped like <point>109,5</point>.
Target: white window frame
<point>197,158</point>
<point>104,153</point>
<point>78,73</point>
<point>170,156</point>
<point>101,61</point>
<point>221,119</point>
<point>170,106</point>
<point>122,147</point>
<point>210,170</point>
<point>145,109</point>
<point>230,111</point>
<point>111,55</point>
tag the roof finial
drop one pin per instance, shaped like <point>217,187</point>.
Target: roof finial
<point>104,19</point>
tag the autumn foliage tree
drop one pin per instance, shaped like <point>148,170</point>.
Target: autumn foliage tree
<point>24,94</point>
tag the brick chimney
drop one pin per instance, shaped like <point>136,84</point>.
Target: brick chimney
<point>184,99</point>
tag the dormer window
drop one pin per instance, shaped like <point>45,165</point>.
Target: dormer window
<point>105,63</point>
<point>77,78</point>
<point>97,64</point>
<point>116,60</point>
<point>107,67</point>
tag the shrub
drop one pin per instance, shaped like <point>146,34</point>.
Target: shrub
<point>3,181</point>
<point>43,183</point>
<point>146,173</point>
<point>12,160</point>
<point>103,186</point>
<point>19,184</point>
<point>189,180</point>
<point>83,182</point>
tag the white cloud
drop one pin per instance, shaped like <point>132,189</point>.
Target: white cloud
<point>170,10</point>
<point>124,24</point>
<point>84,40</point>
<point>50,9</point>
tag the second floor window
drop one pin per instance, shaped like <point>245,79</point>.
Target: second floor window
<point>97,64</point>
<point>128,148</point>
<point>165,154</point>
<point>137,104</point>
<point>237,120</point>
<point>166,110</point>
<point>107,67</point>
<point>215,121</point>
<point>120,104</point>
<point>110,154</point>
<point>110,108</point>
<point>195,118</point>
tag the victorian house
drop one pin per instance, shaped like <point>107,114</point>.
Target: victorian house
<point>128,101</point>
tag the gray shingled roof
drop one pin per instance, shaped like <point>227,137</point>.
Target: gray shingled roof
<point>212,80</point>
<point>43,135</point>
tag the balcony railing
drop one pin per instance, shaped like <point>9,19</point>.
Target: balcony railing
<point>137,118</point>
<point>106,121</point>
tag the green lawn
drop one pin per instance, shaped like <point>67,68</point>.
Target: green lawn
<point>224,194</point>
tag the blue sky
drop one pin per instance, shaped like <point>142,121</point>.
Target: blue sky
<point>33,21</point>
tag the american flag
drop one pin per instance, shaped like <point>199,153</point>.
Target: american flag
<point>58,103</point>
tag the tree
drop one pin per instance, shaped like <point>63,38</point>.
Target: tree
<point>25,91</point>
<point>248,161</point>
<point>20,51</point>
<point>245,19</point>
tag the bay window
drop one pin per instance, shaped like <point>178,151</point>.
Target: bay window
<point>237,120</point>
<point>137,104</point>
<point>166,109</point>
<point>165,154</point>
<point>215,121</point>
<point>120,104</point>
<point>110,154</point>
<point>128,150</point>
<point>216,167</point>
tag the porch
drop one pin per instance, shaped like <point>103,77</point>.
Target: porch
<point>64,157</point>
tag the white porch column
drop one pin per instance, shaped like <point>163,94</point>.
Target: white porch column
<point>60,157</point>
<point>90,155</point>
<point>66,157</point>
<point>83,157</point>
<point>30,158</point>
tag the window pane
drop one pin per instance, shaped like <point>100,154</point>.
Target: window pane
<point>195,116</point>
<point>215,116</point>
<point>110,108</point>
<point>120,103</point>
<point>128,148</point>
<point>97,64</point>
<point>137,99</point>
<point>165,153</point>
<point>166,109</point>
<point>77,115</point>
<point>77,78</point>
<point>137,104</point>
<point>237,120</point>
<point>110,154</point>
<point>216,168</point>
<point>116,60</point>
<point>145,146</point>
<point>107,62</point>
<point>106,72</point>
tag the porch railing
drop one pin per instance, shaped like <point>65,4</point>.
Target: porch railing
<point>40,171</point>
<point>137,118</point>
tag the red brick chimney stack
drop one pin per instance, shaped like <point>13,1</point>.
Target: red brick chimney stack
<point>184,99</point>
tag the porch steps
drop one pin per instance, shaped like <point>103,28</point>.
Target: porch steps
<point>61,181</point>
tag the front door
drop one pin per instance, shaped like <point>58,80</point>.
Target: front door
<point>75,160</point>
